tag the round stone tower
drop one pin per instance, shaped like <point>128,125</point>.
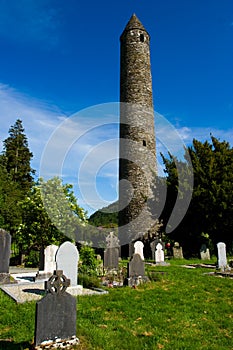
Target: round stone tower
<point>137,163</point>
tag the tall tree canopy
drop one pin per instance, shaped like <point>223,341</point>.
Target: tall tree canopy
<point>17,157</point>
<point>210,214</point>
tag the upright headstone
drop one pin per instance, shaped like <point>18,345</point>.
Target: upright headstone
<point>159,254</point>
<point>67,257</point>
<point>49,263</point>
<point>5,251</point>
<point>56,312</point>
<point>135,271</point>
<point>222,257</point>
<point>138,249</point>
<point>177,251</point>
<point>111,253</point>
<point>204,252</point>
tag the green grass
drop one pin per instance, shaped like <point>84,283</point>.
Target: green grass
<point>181,310</point>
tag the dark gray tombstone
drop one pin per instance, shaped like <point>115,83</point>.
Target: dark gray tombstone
<point>111,253</point>
<point>136,266</point>
<point>5,252</point>
<point>56,312</point>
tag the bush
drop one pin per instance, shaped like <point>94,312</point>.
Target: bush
<point>88,281</point>
<point>32,259</point>
<point>88,263</point>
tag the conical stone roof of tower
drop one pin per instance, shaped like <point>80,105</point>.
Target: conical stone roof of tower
<point>134,23</point>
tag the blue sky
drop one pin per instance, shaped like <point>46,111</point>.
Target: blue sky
<point>59,57</point>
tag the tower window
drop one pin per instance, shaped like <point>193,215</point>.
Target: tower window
<point>142,38</point>
<point>144,143</point>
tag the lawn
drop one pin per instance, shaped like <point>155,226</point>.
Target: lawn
<point>181,309</point>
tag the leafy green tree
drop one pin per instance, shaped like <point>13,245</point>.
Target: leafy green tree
<point>17,157</point>
<point>10,195</point>
<point>47,217</point>
<point>210,213</point>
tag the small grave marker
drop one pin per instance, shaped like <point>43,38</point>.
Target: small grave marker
<point>138,249</point>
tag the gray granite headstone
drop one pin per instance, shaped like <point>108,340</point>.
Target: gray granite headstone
<point>111,253</point>
<point>138,249</point>
<point>136,266</point>
<point>222,257</point>
<point>204,252</point>
<point>5,251</point>
<point>56,312</point>
<point>67,257</point>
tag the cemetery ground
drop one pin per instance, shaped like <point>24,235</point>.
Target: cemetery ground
<point>180,308</point>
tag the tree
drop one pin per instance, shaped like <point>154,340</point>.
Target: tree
<point>10,195</point>
<point>46,219</point>
<point>17,157</point>
<point>210,214</point>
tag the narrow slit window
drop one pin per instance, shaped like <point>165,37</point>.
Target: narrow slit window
<point>142,39</point>
<point>144,143</point>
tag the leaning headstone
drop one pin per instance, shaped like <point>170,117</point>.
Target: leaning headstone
<point>5,251</point>
<point>222,257</point>
<point>138,249</point>
<point>111,253</point>
<point>67,257</point>
<point>204,252</point>
<point>56,313</point>
<point>49,262</point>
<point>177,251</point>
<point>135,271</point>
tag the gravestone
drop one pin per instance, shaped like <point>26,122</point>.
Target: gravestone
<point>159,254</point>
<point>48,263</point>
<point>67,257</point>
<point>222,257</point>
<point>177,251</point>
<point>135,271</point>
<point>138,249</point>
<point>5,251</point>
<point>153,245</point>
<point>204,252</point>
<point>111,253</point>
<point>56,312</point>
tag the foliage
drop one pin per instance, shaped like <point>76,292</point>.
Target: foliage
<point>106,217</point>
<point>88,261</point>
<point>10,195</point>
<point>209,217</point>
<point>38,229</point>
<point>17,157</point>
<point>88,281</point>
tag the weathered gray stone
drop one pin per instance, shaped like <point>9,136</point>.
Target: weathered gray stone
<point>204,252</point>
<point>177,251</point>
<point>67,257</point>
<point>136,266</point>
<point>5,251</point>
<point>137,163</point>
<point>111,253</point>
<point>56,312</point>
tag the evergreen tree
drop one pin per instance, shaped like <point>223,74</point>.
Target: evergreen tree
<point>17,157</point>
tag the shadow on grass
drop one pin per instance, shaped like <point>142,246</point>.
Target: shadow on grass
<point>10,345</point>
